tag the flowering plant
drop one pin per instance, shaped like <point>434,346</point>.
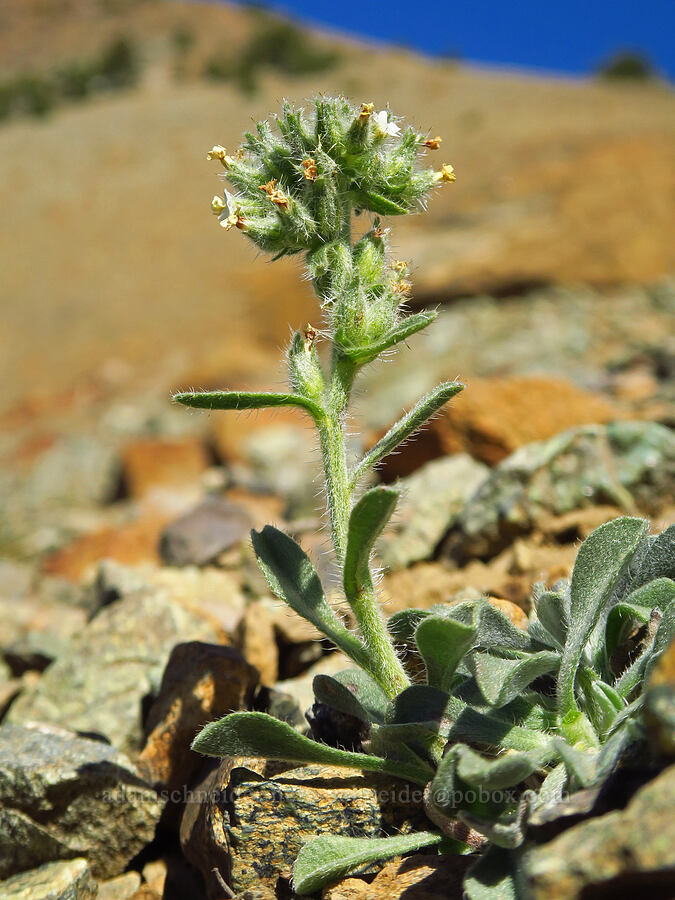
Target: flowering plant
<point>298,190</point>
<point>497,724</point>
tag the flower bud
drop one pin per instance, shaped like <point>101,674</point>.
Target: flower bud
<point>306,374</point>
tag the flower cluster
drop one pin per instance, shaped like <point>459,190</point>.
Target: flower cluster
<point>298,186</point>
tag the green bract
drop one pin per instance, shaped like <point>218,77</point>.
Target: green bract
<point>502,723</point>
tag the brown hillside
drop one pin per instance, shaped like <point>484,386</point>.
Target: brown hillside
<point>108,248</point>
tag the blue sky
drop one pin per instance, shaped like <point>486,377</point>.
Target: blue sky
<point>568,36</point>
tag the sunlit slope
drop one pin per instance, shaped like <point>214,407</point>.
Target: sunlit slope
<point>109,250</point>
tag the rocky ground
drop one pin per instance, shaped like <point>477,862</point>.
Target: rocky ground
<point>133,611</point>
<point>131,608</point>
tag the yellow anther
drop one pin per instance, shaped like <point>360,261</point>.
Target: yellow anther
<point>447,173</point>
<point>310,169</point>
<point>432,143</point>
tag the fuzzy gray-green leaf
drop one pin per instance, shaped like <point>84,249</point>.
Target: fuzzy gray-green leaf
<point>261,735</point>
<point>353,692</point>
<point>368,518</point>
<point>422,703</point>
<point>423,410</point>
<point>600,563</point>
<point>362,354</point>
<point>495,731</point>
<point>506,770</point>
<point>659,561</point>
<point>442,644</point>
<point>551,611</point>
<point>331,857</point>
<point>240,400</point>
<point>581,764</point>
<point>501,680</point>
<point>507,830</point>
<point>292,577</point>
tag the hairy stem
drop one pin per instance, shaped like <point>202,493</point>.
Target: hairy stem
<point>333,451</point>
<point>386,666</point>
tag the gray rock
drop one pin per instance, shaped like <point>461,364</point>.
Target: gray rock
<point>251,826</point>
<point>625,464</point>
<point>64,796</point>
<point>212,591</point>
<point>626,853</point>
<point>432,499</point>
<point>113,665</point>
<point>68,880</point>
<point>78,473</point>
<point>37,625</point>
<point>201,535</point>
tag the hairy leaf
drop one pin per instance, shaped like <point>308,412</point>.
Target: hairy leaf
<point>442,643</point>
<point>422,703</point>
<point>331,857</point>
<point>507,830</point>
<point>551,611</point>
<point>354,692</point>
<point>491,878</point>
<point>420,737</point>
<point>240,400</point>
<point>496,630</point>
<point>601,702</point>
<point>581,765</point>
<point>293,579</point>
<point>367,520</point>
<point>641,668</point>
<point>360,355</point>
<point>391,743</point>
<point>496,731</point>
<point>659,561</point>
<point>260,735</point>
<point>403,624</point>
<point>501,680</point>
<point>378,204</point>
<point>506,770</point>
<point>600,563</point>
<point>423,410</point>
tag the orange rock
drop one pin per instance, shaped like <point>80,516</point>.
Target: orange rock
<point>511,610</point>
<point>257,642</point>
<point>418,877</point>
<point>506,586</point>
<point>158,463</point>
<point>131,544</point>
<point>145,892</point>
<point>201,682</point>
<point>495,416</point>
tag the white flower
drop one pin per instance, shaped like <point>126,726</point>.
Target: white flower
<point>383,126</point>
<point>230,215</point>
<point>218,205</point>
